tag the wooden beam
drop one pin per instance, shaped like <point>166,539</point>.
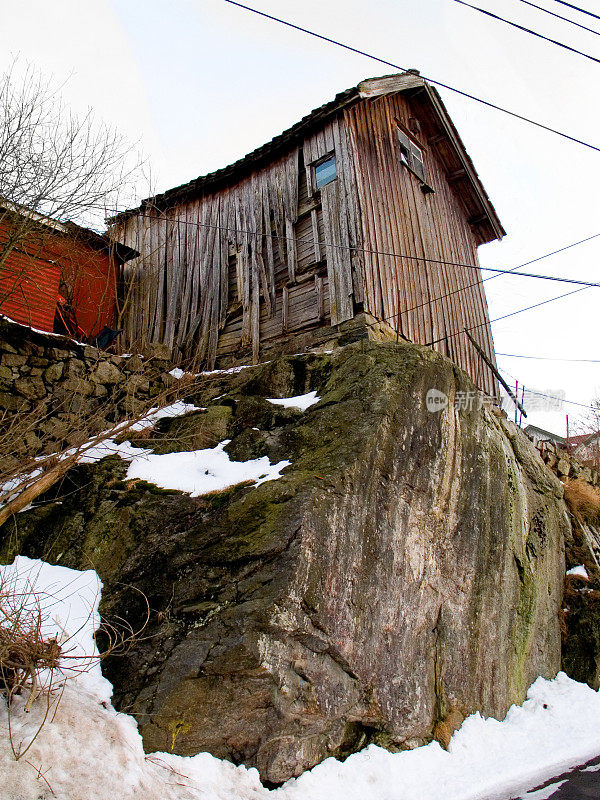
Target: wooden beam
<point>441,137</point>
<point>496,373</point>
<point>456,175</point>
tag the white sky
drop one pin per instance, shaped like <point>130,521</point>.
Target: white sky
<point>200,83</point>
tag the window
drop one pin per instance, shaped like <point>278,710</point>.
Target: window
<point>411,156</point>
<point>325,172</point>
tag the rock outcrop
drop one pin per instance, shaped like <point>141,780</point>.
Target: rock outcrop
<point>405,571</point>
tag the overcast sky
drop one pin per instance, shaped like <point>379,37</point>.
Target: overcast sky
<point>199,83</point>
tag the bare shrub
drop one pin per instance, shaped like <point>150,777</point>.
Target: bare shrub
<point>24,650</point>
<point>37,664</point>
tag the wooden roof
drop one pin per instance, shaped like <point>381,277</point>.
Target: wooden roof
<point>446,140</point>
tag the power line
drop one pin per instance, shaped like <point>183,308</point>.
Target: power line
<point>430,301</point>
<point>577,8</point>
<point>562,399</point>
<point>504,316</point>
<point>549,396</point>
<point>551,358</point>
<point>356,249</point>
<point>559,16</point>
<point>527,30</point>
<point>427,302</point>
<point>404,69</point>
<point>547,255</point>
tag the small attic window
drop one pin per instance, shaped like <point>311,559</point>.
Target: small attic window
<point>325,172</point>
<point>411,155</point>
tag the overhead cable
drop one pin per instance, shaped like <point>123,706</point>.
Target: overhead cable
<point>559,16</point>
<point>434,81</point>
<point>498,270</point>
<point>527,30</point>
<point>551,358</point>
<point>578,8</point>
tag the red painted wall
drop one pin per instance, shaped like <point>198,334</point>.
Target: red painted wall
<point>30,280</point>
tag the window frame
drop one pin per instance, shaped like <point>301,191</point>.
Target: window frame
<point>318,163</point>
<point>414,162</point>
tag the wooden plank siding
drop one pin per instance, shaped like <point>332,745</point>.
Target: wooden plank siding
<point>266,254</point>
<point>180,290</point>
<point>425,301</point>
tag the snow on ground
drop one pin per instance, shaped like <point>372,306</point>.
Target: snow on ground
<point>177,409</point>
<point>202,471</point>
<point>301,401</point>
<point>196,472</point>
<point>88,751</point>
<point>579,570</point>
<point>231,370</point>
<point>178,373</point>
<point>45,333</point>
<point>545,793</point>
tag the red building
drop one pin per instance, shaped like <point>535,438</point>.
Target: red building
<point>58,277</point>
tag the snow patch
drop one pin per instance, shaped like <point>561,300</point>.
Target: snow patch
<point>231,370</point>
<point>543,794</point>
<point>301,401</point>
<point>45,333</point>
<point>66,601</point>
<point>178,373</point>
<point>202,471</point>
<point>579,570</point>
<point>177,409</point>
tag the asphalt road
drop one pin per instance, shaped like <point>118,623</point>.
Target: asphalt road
<point>581,783</point>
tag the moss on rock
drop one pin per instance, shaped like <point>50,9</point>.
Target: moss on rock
<point>407,563</point>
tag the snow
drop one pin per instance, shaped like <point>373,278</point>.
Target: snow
<point>68,600</point>
<point>85,750</point>
<point>178,373</point>
<point>45,333</point>
<point>177,409</point>
<point>195,472</point>
<point>201,471</point>
<point>301,401</point>
<point>579,570</point>
<point>231,370</point>
<point>545,793</point>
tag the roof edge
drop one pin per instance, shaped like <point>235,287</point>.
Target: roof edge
<point>369,88</point>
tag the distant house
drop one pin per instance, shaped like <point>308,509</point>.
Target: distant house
<point>362,219</point>
<point>58,276</point>
<point>538,435</point>
<point>586,448</point>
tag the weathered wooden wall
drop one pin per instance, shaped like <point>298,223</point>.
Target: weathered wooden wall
<point>399,218</point>
<point>246,263</point>
<point>256,260</point>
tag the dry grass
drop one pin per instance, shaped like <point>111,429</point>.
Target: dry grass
<point>583,501</point>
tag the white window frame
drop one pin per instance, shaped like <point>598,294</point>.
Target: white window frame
<point>412,155</point>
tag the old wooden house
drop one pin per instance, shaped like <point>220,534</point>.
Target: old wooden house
<point>364,218</point>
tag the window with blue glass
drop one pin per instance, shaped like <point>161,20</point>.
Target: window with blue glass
<point>325,172</point>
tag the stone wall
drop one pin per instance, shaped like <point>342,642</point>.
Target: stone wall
<point>564,465</point>
<point>56,391</point>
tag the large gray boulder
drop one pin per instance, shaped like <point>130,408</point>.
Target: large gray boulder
<point>406,570</point>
